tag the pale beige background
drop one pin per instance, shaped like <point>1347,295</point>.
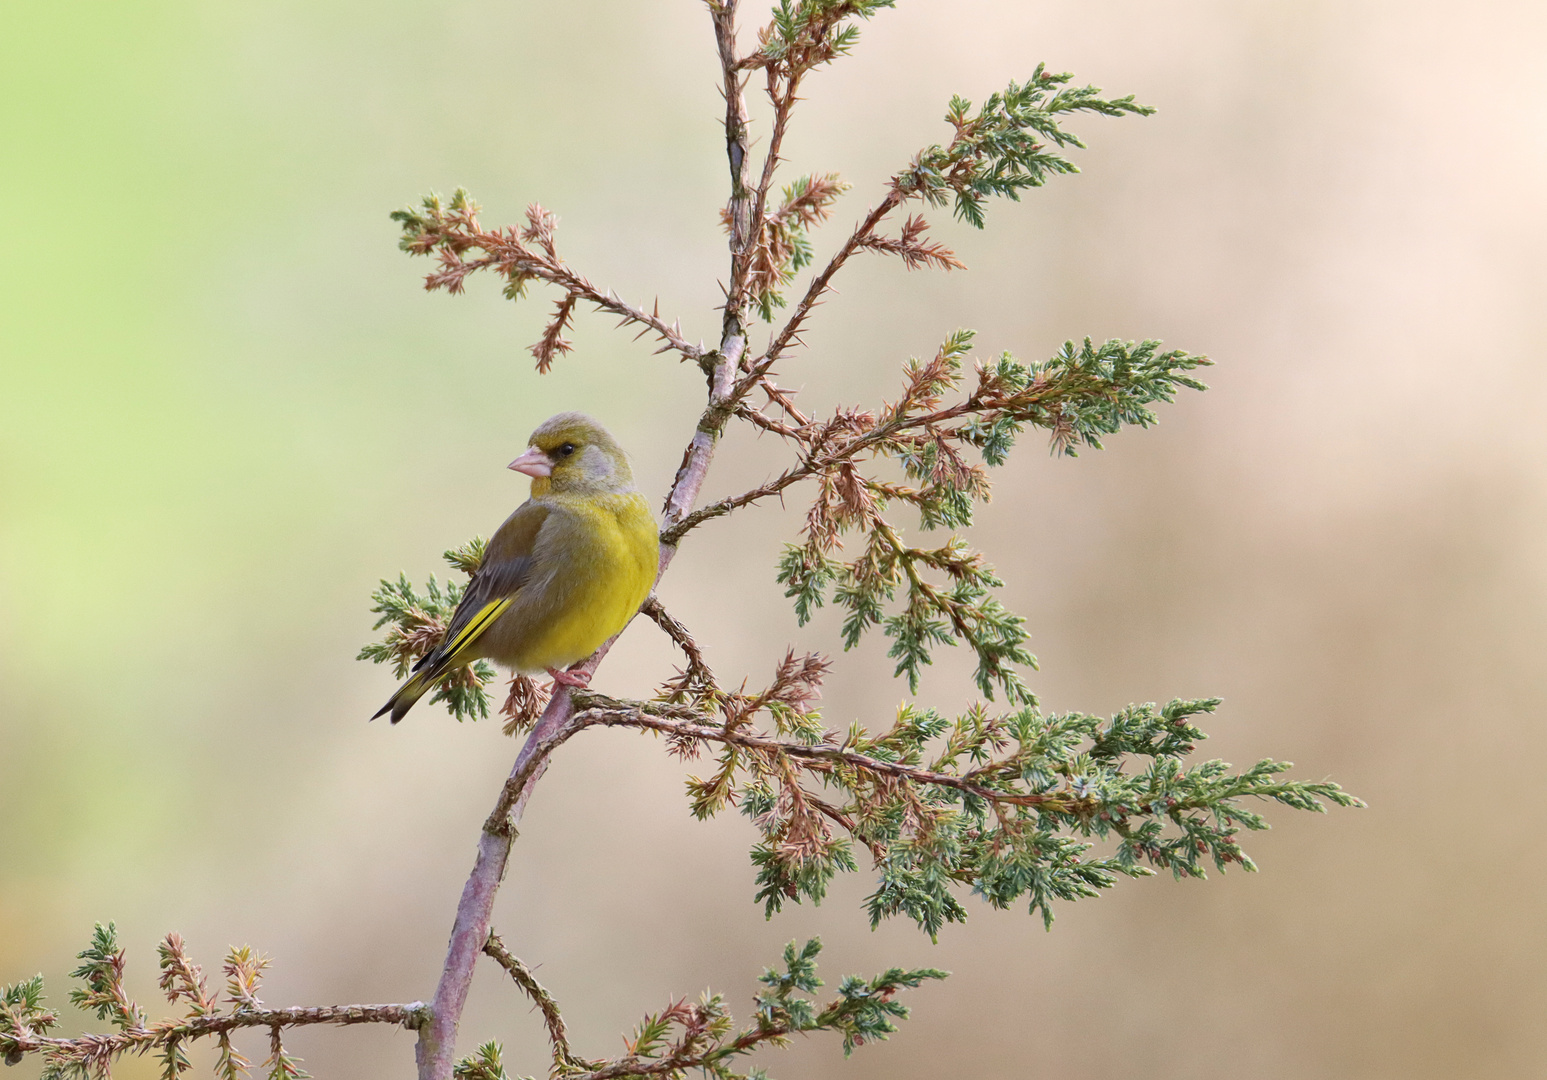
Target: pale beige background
<point>229,410</point>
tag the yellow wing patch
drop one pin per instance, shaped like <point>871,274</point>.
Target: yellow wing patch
<point>475,626</point>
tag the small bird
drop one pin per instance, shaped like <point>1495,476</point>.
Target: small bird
<point>564,573</point>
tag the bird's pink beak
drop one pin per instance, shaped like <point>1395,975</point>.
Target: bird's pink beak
<point>534,463</point>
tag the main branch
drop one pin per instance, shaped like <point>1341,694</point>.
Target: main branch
<point>436,1051</point>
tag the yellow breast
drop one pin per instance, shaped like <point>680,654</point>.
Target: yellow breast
<point>594,563</point>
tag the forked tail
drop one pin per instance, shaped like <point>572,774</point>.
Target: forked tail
<point>411,691</point>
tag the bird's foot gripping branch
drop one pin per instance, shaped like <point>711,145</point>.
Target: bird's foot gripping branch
<point>1012,803</point>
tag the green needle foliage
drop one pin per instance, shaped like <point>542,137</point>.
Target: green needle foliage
<point>701,1036</point>
<point>1003,148</point>
<point>947,591</point>
<point>863,1011</point>
<point>22,1016</point>
<point>102,970</point>
<point>24,1022</point>
<point>418,623</point>
<point>482,1064</point>
<point>1021,806</point>
<point>806,33</point>
<point>786,248</point>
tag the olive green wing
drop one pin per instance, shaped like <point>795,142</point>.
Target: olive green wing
<point>507,562</point>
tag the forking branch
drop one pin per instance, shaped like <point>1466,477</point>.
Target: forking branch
<point>1013,804</point>
<point>450,229</point>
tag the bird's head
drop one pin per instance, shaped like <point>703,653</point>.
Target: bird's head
<point>571,452</point>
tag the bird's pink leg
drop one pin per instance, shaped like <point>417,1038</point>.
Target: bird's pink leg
<point>577,679</point>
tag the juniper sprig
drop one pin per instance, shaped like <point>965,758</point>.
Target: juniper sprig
<point>418,623</point>
<point>449,229</point>
<point>947,592</point>
<point>1021,805</point>
<point>25,1023</point>
<point>1003,149</point>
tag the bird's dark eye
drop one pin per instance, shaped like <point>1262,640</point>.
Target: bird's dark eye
<point>567,449</point>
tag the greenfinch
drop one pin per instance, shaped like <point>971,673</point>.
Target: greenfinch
<point>564,573</point>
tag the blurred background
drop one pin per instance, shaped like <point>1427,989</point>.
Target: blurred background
<point>228,409</point>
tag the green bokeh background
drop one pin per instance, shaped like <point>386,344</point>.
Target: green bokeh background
<point>228,410</point>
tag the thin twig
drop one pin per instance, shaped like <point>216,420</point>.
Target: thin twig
<point>738,148</point>
<point>564,1059</point>
<point>821,463</point>
<point>767,423</point>
<point>144,1039</point>
<point>678,1063</point>
<point>656,612</point>
<point>759,226</point>
<point>782,398</point>
<point>600,711</point>
<point>782,103</point>
<point>814,291</point>
<point>680,1059</point>
<point>877,851</point>
<point>506,252</point>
